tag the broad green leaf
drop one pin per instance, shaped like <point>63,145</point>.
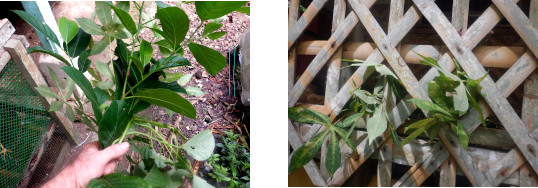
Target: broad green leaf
<point>122,5</point>
<point>332,158</point>
<point>154,84</point>
<point>417,132</point>
<point>69,113</point>
<point>175,24</point>
<point>194,91</point>
<point>165,51</point>
<point>420,123</point>
<point>438,95</point>
<point>442,117</point>
<point>104,70</point>
<point>83,61</point>
<point>345,136</point>
<point>169,112</point>
<point>397,88</point>
<point>214,9</point>
<point>219,19</point>
<point>434,131</point>
<point>461,104</point>
<point>55,79</point>
<point>168,99</point>
<point>473,93</point>
<point>462,135</point>
<point>428,106</point>
<point>431,62</point>
<point>69,86</point>
<point>367,99</point>
<point>213,61</point>
<point>102,9</point>
<point>245,10</point>
<point>89,26</point>
<point>38,25</point>
<point>102,96</point>
<point>198,182</point>
<point>45,91</point>
<point>307,152</point>
<point>146,51</point>
<point>216,35</point>
<point>350,120</point>
<point>100,46</point>
<point>210,27</point>
<point>56,106</point>
<point>126,19</point>
<point>43,50</point>
<point>155,177</point>
<point>169,62</point>
<point>85,86</point>
<point>385,71</point>
<point>175,178</point>
<point>475,105</point>
<point>394,135</point>
<point>201,146</point>
<point>446,83</point>
<point>376,125</point>
<point>79,44</point>
<point>122,52</point>
<point>68,29</point>
<point>113,123</point>
<point>303,115</point>
<point>105,85</point>
<point>117,180</point>
<point>182,81</point>
<point>171,77</point>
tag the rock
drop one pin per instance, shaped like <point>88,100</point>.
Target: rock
<point>244,54</point>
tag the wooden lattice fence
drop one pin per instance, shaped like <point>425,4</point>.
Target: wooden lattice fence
<point>447,154</point>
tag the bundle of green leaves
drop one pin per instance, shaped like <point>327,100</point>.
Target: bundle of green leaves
<point>136,81</point>
<point>233,165</point>
<point>451,95</point>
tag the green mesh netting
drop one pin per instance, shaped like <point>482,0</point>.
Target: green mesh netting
<point>23,121</point>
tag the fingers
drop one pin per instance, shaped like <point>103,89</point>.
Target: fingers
<point>109,168</point>
<point>114,151</point>
<point>93,146</point>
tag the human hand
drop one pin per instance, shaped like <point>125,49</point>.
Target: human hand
<point>90,163</point>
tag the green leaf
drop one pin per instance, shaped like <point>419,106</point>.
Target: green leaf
<point>89,26</point>
<point>332,158</point>
<point>446,83</point>
<point>68,29</point>
<point>102,96</point>
<point>182,81</point>
<point>245,10</point>
<point>79,44</point>
<point>69,113</point>
<point>104,85</point>
<point>376,125</point>
<point>216,35</point>
<point>126,19</point>
<point>417,132</point>
<point>307,152</point>
<point>155,177</point>
<point>175,24</point>
<point>100,46</point>
<point>43,50</point>
<point>201,146</point>
<point>171,77</point>
<point>420,123</point>
<point>303,115</point>
<point>428,106</point>
<point>38,25</point>
<point>385,71</point>
<point>104,70</point>
<point>102,9</point>
<point>169,62</point>
<point>168,99</point>
<point>123,5</point>
<point>345,136</point>
<point>367,99</point>
<point>350,120</point>
<point>397,88</point>
<point>213,61</point>
<point>210,27</point>
<point>86,87</point>
<point>146,51</point>
<point>113,123</point>
<point>462,135</point>
<point>438,95</point>
<point>69,86</point>
<point>194,91</point>
<point>461,104</point>
<point>434,131</point>
<point>45,91</point>
<point>198,182</point>
<point>83,61</point>
<point>56,106</point>
<point>117,180</point>
<point>54,77</point>
<point>165,51</point>
<point>214,9</point>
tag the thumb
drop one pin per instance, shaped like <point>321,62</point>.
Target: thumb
<point>114,151</point>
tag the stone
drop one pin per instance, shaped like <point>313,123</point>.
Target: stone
<point>244,59</point>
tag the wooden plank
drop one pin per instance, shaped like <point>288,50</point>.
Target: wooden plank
<point>460,15</point>
<point>384,165</point>
<point>460,155</point>
<point>527,177</point>
<point>520,23</point>
<point>448,174</point>
<point>506,166</point>
<point>311,168</point>
<point>34,78</point>
<point>6,30</point>
<point>472,67</point>
<point>292,19</point>
<point>303,22</point>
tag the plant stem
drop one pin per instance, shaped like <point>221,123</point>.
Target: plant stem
<point>125,132</point>
<point>190,37</point>
<point>143,134</point>
<point>164,125</point>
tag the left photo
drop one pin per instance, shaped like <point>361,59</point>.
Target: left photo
<point>125,94</point>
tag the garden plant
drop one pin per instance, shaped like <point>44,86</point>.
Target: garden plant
<point>135,82</point>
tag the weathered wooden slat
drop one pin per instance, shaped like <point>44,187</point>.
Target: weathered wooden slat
<point>506,166</point>
<point>292,19</point>
<point>384,165</point>
<point>460,15</point>
<point>527,177</point>
<point>303,22</point>
<point>472,67</point>
<point>448,174</point>
<point>520,23</point>
<point>311,168</point>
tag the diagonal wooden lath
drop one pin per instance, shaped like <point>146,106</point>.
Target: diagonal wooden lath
<point>303,22</point>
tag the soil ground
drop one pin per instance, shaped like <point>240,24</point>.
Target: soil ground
<point>216,110</point>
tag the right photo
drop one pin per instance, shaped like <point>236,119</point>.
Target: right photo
<point>412,93</point>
